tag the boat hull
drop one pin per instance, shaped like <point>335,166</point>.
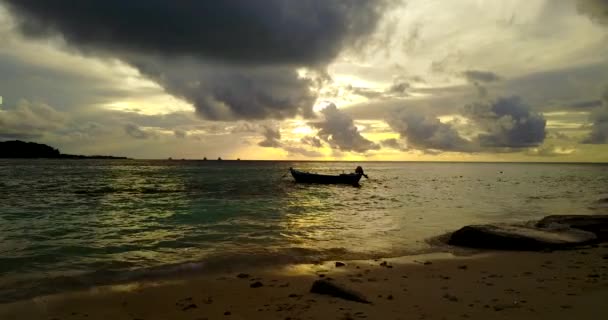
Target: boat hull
<point>306,177</point>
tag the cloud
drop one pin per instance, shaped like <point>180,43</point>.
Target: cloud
<point>29,120</point>
<point>366,92</point>
<point>507,123</point>
<point>305,32</point>
<point>244,127</point>
<point>596,10</point>
<point>393,144</point>
<point>231,59</point>
<point>445,64</point>
<point>599,130</point>
<point>312,141</point>
<point>480,79</point>
<point>411,40</point>
<point>399,87</point>
<point>599,120</point>
<point>302,151</point>
<point>555,89</point>
<point>339,130</point>
<point>55,85</point>
<point>136,132</point>
<point>232,92</point>
<point>272,138</point>
<point>560,88</point>
<point>181,134</point>
<point>585,104</point>
<point>550,150</point>
<point>476,76</point>
<point>427,132</point>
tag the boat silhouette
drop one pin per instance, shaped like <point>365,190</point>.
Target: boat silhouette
<point>344,178</point>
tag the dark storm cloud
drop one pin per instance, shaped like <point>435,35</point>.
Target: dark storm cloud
<point>272,138</point>
<point>507,123</point>
<point>427,132</point>
<point>599,120</point>
<point>303,32</point>
<point>178,45</point>
<point>339,130</point>
<point>596,10</point>
<point>232,92</point>
<point>474,76</point>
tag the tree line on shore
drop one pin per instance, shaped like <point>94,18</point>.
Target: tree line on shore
<point>17,149</point>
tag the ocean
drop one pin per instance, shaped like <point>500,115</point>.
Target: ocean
<point>70,224</point>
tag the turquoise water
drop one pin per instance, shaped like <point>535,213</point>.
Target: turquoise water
<point>71,223</point>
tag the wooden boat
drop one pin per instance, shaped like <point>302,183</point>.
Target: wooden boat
<point>344,178</point>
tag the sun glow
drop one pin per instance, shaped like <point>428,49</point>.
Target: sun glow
<point>320,105</point>
<point>153,105</point>
<point>302,130</point>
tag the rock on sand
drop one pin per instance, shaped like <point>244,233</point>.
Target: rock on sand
<point>508,237</point>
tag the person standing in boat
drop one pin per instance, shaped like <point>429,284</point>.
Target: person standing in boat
<point>359,170</point>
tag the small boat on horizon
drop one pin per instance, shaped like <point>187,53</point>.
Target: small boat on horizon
<point>344,178</point>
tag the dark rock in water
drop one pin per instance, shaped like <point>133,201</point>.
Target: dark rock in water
<point>256,284</point>
<point>242,275</point>
<point>334,290</point>
<point>507,237</point>
<point>340,264</point>
<point>597,224</point>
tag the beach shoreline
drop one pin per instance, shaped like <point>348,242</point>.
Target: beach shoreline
<point>492,284</point>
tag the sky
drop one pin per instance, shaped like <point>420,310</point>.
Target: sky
<point>412,80</point>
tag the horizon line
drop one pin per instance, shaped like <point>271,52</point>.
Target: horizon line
<point>395,161</point>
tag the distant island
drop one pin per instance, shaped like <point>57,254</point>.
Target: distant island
<point>17,149</point>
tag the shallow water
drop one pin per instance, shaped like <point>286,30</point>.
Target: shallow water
<point>69,223</point>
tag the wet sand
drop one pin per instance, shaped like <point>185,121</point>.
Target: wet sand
<point>499,285</point>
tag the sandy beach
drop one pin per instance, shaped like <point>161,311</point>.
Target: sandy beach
<point>493,285</point>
